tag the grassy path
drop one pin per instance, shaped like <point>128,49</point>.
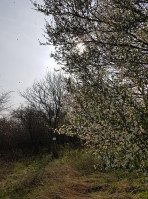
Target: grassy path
<point>70,177</point>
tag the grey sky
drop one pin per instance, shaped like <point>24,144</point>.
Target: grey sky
<point>22,59</point>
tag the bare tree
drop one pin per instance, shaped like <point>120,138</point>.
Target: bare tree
<point>47,96</point>
<point>4,99</point>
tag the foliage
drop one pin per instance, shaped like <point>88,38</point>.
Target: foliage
<point>103,45</point>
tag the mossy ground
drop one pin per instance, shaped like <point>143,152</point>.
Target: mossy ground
<point>72,176</point>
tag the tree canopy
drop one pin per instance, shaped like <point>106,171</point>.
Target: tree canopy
<point>103,44</point>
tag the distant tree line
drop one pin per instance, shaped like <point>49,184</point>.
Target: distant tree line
<point>33,126</point>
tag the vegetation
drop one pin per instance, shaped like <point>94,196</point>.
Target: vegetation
<point>70,176</point>
<point>103,46</point>
<point>83,134</point>
<point>4,99</point>
<point>47,97</point>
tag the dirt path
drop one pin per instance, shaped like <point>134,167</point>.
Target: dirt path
<point>42,178</point>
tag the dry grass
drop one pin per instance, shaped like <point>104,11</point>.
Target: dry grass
<point>67,178</point>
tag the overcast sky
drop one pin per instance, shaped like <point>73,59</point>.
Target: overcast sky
<point>22,58</point>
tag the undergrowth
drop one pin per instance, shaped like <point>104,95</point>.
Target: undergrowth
<point>72,176</point>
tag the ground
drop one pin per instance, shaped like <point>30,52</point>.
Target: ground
<point>72,176</point>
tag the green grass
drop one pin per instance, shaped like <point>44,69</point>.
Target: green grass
<point>72,176</point>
